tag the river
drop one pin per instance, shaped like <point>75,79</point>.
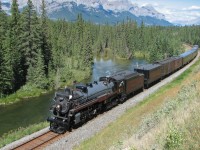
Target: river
<point>35,110</point>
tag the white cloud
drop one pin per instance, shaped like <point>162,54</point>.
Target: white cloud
<point>180,16</point>
<point>192,8</point>
<point>175,12</point>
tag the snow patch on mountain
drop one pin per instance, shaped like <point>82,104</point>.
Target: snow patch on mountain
<point>108,5</point>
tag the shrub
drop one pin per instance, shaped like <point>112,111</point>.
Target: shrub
<point>174,139</point>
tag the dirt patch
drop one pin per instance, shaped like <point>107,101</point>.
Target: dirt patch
<point>187,47</point>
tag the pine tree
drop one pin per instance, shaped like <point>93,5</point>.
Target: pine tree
<point>2,29</point>
<point>40,71</point>
<point>87,49</point>
<point>80,27</point>
<point>17,61</point>
<point>26,36</point>
<point>44,37</point>
<point>141,36</point>
<point>30,39</point>
<point>7,75</point>
<point>2,32</point>
<point>36,73</point>
<point>5,80</point>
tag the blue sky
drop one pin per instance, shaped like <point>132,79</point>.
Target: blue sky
<point>176,11</point>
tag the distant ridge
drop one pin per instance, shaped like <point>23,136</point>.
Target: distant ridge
<point>99,11</point>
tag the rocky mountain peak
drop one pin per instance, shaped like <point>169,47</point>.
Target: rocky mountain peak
<point>113,5</point>
<point>98,11</point>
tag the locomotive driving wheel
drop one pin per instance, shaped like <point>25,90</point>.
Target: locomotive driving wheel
<point>61,130</point>
<point>56,128</point>
<point>53,126</point>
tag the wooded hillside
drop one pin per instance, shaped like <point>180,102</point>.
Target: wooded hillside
<point>43,53</point>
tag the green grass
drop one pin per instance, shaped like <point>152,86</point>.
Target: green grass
<point>190,132</point>
<point>25,92</point>
<point>20,133</point>
<point>181,128</point>
<point>124,127</point>
<point>28,90</point>
<point>139,54</point>
<point>167,117</point>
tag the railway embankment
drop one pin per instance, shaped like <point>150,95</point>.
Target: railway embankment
<point>119,136</point>
<point>116,128</point>
<point>168,119</point>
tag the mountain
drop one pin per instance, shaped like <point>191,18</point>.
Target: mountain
<point>6,6</point>
<point>98,11</point>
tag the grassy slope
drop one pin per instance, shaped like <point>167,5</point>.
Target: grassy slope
<point>20,133</point>
<point>25,92</point>
<point>157,122</point>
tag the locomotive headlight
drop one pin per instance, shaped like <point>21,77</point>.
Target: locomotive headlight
<point>58,107</point>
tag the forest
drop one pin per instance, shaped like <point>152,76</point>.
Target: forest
<point>36,52</point>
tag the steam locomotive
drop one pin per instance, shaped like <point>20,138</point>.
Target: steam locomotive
<point>74,106</point>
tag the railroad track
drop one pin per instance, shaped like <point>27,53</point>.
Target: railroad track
<point>40,142</point>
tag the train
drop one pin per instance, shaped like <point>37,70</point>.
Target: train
<point>76,105</point>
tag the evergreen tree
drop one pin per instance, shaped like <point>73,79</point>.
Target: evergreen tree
<point>2,30</point>
<point>30,39</point>
<point>27,34</point>
<point>2,33</point>
<point>7,75</point>
<point>5,79</point>
<point>87,49</point>
<point>80,27</point>
<point>17,61</point>
<point>44,37</point>
<point>36,73</point>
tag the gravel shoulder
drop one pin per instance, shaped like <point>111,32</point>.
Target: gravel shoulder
<point>97,124</point>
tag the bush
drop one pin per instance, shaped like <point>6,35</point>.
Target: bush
<point>174,139</point>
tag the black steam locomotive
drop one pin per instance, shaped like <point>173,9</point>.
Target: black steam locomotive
<point>74,106</point>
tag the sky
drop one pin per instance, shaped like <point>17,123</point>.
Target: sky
<point>183,12</point>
